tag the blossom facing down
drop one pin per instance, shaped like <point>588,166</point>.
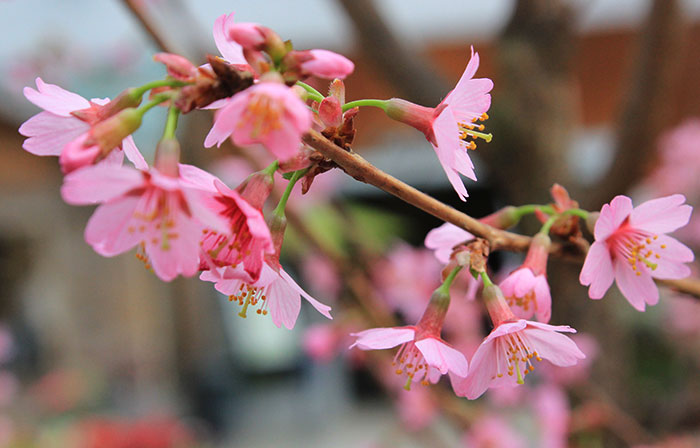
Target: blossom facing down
<point>64,123</point>
<point>162,214</point>
<point>508,353</point>
<point>423,355</point>
<point>275,292</point>
<point>269,113</point>
<point>526,289</point>
<point>451,126</point>
<point>632,249</point>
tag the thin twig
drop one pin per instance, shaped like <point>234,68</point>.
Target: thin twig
<point>147,24</point>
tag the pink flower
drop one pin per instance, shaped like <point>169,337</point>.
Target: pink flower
<point>274,292</point>
<point>631,248</point>
<point>442,240</point>
<point>423,355</point>
<point>508,353</point>
<point>248,238</point>
<point>162,214</point>
<point>493,431</point>
<point>320,342</point>
<point>526,289</point>
<point>269,113</point>
<point>448,126</point>
<point>406,278</point>
<point>552,408</point>
<point>68,118</point>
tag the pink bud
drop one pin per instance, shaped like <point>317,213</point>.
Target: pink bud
<point>327,64</point>
<point>248,35</point>
<point>330,112</point>
<point>177,66</point>
<point>76,155</point>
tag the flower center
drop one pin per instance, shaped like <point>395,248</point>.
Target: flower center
<point>410,361</point>
<point>638,247</point>
<point>263,114</point>
<point>469,132</point>
<point>516,353</point>
<point>229,249</point>
<point>523,302</point>
<point>250,296</point>
<point>158,218</point>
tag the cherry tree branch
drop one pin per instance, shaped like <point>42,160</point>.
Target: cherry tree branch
<point>136,10</point>
<point>360,169</point>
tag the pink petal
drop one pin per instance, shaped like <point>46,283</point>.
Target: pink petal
<point>196,201</point>
<point>543,299</point>
<point>506,328</point>
<point>483,369</point>
<point>99,183</point>
<point>557,348</point>
<point>442,356</point>
<point>637,289</point>
<point>447,149</point>
<point>181,255</point>
<point>329,65</point>
<point>548,327</point>
<point>673,256</point>
<point>198,177</point>
<point>611,216</point>
<point>48,133</point>
<point>320,307</point>
<point>284,303</point>
<point>525,281</point>
<point>133,154</point>
<point>442,239</point>
<point>225,120</point>
<point>661,215</point>
<point>230,50</point>
<point>381,338</point>
<point>597,270</point>
<point>54,99</point>
<point>107,231</point>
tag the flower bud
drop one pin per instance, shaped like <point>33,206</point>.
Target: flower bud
<point>177,66</point>
<point>504,218</point>
<point>248,35</point>
<point>330,112</point>
<point>77,155</point>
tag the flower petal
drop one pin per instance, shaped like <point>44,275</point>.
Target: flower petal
<point>133,154</point>
<point>672,258</point>
<point>99,183</point>
<point>483,369</point>
<point>662,215</point>
<point>107,230</point>
<point>597,270</point>
<point>320,307</point>
<point>442,356</point>
<point>557,348</point>
<point>53,98</point>
<point>48,133</point>
<point>284,303</point>
<point>381,338</point>
<point>637,289</point>
<point>230,50</point>
<point>611,217</point>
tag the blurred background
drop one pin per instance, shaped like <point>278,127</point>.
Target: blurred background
<point>589,94</point>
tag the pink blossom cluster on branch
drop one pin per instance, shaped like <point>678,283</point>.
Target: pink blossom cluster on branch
<point>184,220</point>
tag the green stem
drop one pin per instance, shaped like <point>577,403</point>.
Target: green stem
<point>548,224</point>
<point>153,103</point>
<point>313,93</point>
<point>445,287</point>
<point>532,208</point>
<point>374,103</point>
<point>271,168</point>
<point>138,92</point>
<point>171,123</point>
<point>485,278</point>
<point>279,210</point>
<point>583,214</point>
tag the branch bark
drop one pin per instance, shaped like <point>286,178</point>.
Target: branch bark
<point>147,24</point>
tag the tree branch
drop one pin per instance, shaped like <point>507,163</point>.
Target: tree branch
<point>147,24</point>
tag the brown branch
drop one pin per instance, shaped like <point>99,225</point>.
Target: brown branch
<point>360,169</point>
<point>147,24</point>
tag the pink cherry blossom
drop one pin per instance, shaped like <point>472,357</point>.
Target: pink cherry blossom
<point>492,431</point>
<point>552,408</point>
<point>632,249</point>
<point>449,125</point>
<point>67,118</point>
<point>248,238</point>
<point>269,113</point>
<point>275,292</point>
<point>423,355</point>
<point>526,288</point>
<point>163,215</point>
<point>508,354</point>
<point>406,278</point>
<point>320,342</point>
